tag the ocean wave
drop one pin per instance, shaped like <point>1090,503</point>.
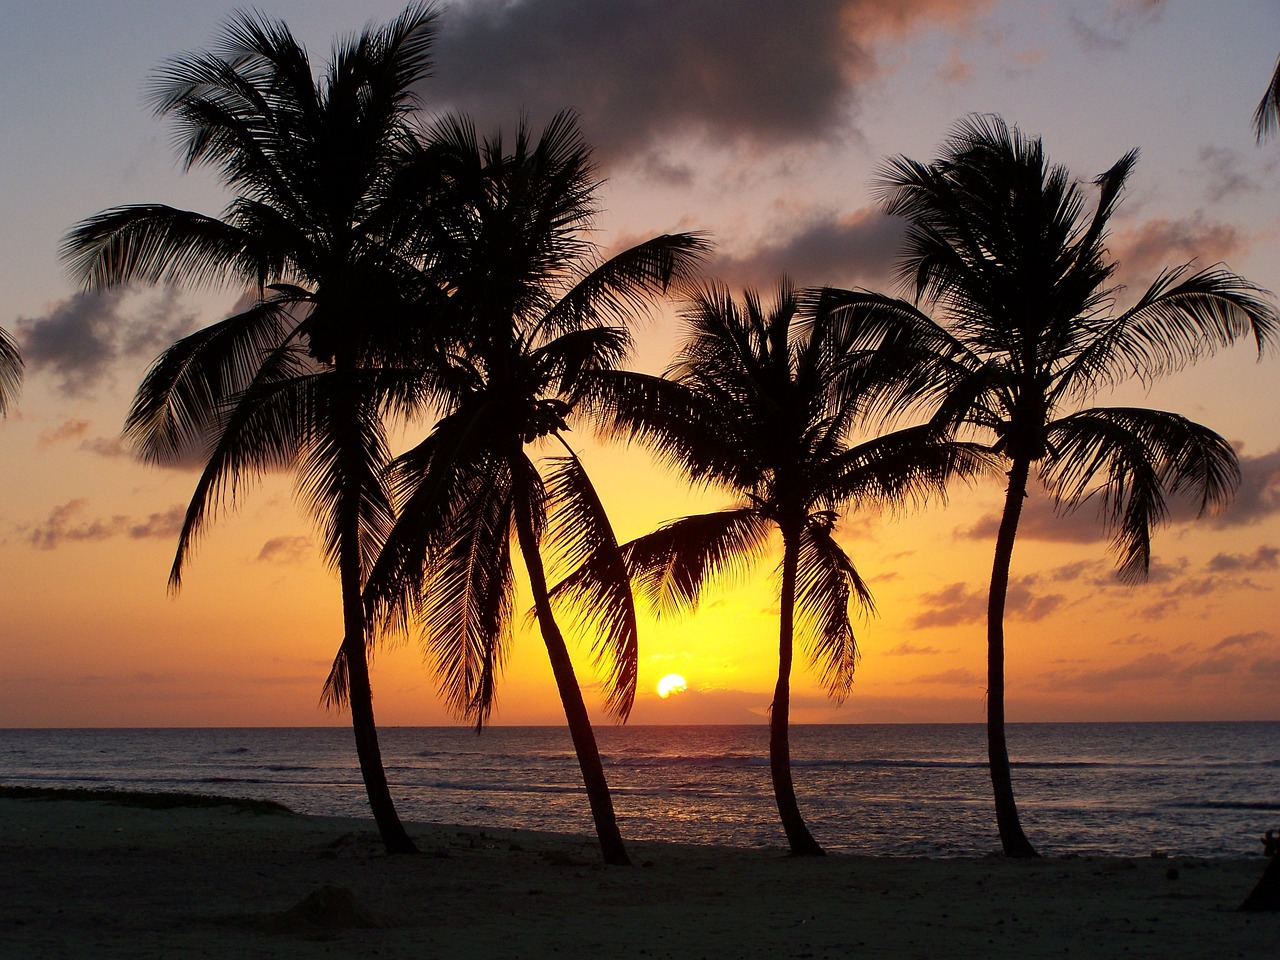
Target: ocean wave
<point>482,787</point>
<point>1263,806</point>
<point>1086,789</point>
<point>687,760</point>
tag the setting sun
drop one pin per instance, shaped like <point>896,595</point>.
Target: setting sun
<point>671,683</point>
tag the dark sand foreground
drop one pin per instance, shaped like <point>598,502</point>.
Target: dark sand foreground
<point>92,879</point>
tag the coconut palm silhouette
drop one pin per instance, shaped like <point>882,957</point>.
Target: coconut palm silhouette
<point>531,312</point>
<point>766,401</point>
<point>301,378</point>
<point>999,245</point>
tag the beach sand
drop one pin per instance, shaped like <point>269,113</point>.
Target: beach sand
<point>93,879</point>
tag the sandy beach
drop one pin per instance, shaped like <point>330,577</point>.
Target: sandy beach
<point>93,879</point>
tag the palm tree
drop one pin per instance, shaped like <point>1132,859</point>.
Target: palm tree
<point>302,377</point>
<point>531,313</point>
<point>10,372</point>
<point>1000,246</point>
<point>763,403</point>
<point>1265,894</point>
<point>1266,118</point>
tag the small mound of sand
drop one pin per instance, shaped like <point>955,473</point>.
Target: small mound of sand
<point>327,910</point>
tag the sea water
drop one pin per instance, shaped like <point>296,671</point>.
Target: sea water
<point>1130,789</point>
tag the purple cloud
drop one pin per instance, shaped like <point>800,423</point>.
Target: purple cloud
<point>67,522</point>
<point>697,68</point>
<point>1264,558</point>
<point>285,550</point>
<point>1242,640</point>
<point>858,250</point>
<point>958,603</point>
<point>80,338</point>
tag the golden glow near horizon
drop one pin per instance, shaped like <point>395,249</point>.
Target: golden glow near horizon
<point>672,683</point>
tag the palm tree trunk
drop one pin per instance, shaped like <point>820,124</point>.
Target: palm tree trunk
<point>360,691</point>
<point>1266,894</point>
<point>784,791</point>
<point>1012,838</point>
<point>575,710</point>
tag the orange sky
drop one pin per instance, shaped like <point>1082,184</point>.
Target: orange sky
<point>90,637</point>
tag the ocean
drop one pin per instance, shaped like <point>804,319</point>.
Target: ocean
<point>1125,789</point>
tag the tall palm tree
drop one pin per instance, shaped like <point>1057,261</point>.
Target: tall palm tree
<point>10,372</point>
<point>1266,118</point>
<point>764,403</point>
<point>302,377</point>
<point>999,245</point>
<point>531,312</point>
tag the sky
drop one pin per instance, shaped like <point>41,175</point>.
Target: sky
<point>764,126</point>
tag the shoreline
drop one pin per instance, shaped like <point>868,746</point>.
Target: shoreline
<point>88,878</point>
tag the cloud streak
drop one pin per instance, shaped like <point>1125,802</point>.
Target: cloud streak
<point>958,603</point>
<point>1233,656</point>
<point>1114,28</point>
<point>285,550</point>
<point>67,523</point>
<point>1145,250</point>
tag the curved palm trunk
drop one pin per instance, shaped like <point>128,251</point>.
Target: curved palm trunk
<point>1266,894</point>
<point>360,691</point>
<point>784,791</point>
<point>1012,839</point>
<point>575,710</point>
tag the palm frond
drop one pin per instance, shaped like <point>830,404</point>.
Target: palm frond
<point>615,290</point>
<point>826,583</point>
<point>563,362</point>
<point>336,692</point>
<point>10,371</point>
<point>601,593</point>
<point>889,360</point>
<point>343,454</point>
<point>429,483</point>
<point>1110,187</point>
<point>1132,459</point>
<point>259,431</point>
<point>671,566</point>
<point>1266,118</point>
<point>682,426</point>
<point>180,404</point>
<point>1179,319</point>
<point>394,59</point>
<point>468,598</point>
<point>153,243</point>
<point>905,467</point>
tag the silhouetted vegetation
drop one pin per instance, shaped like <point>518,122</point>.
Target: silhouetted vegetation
<point>1266,117</point>
<point>1265,896</point>
<point>299,378</point>
<point>144,799</point>
<point>999,246</point>
<point>399,274</point>
<point>767,405</point>
<point>530,313</point>
<point>10,372</point>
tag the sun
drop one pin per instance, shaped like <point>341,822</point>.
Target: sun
<point>671,683</point>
